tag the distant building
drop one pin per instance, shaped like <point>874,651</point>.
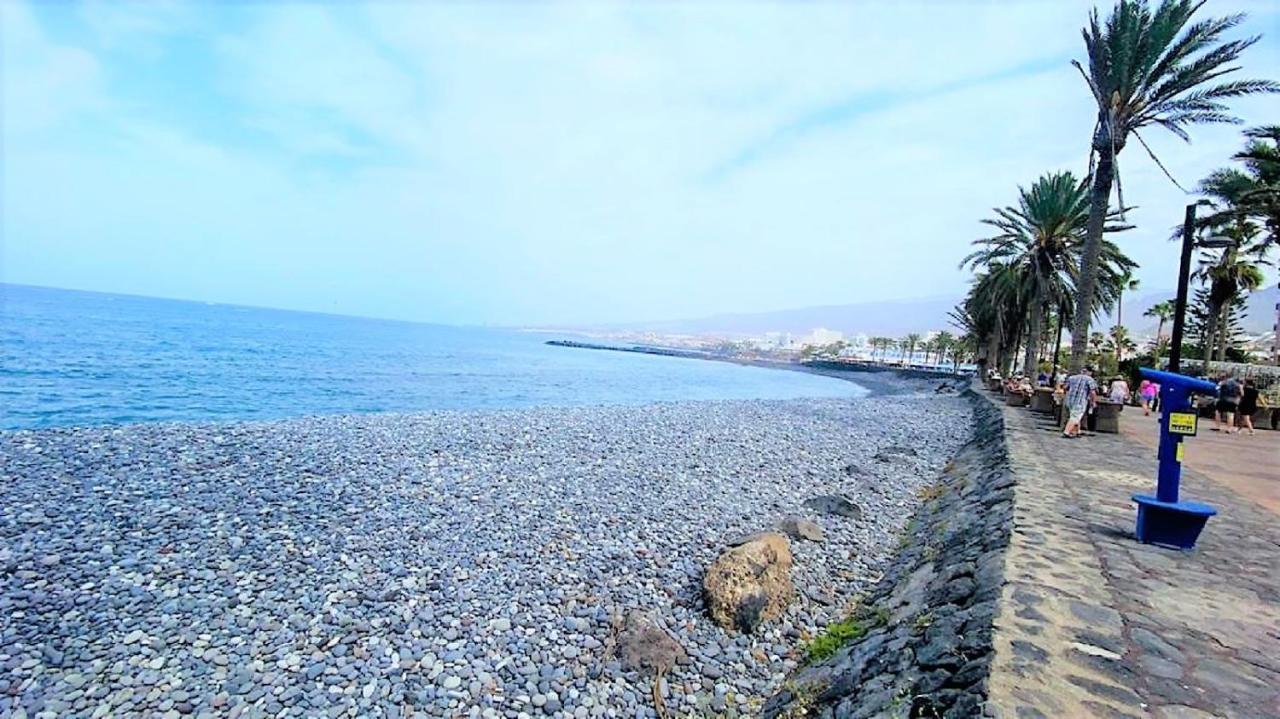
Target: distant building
<point>822,336</point>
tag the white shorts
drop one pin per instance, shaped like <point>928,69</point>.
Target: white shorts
<point>1075,412</point>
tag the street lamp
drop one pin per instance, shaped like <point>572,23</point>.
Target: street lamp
<point>1189,243</point>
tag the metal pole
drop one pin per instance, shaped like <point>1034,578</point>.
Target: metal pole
<point>1184,275</point>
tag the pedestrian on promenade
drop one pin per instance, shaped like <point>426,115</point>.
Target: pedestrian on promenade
<point>1148,391</point>
<point>1248,404</point>
<point>1082,391</point>
<point>1229,393</point>
<point>1120,390</point>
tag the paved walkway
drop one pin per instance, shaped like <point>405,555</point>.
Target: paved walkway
<point>1248,464</point>
<point>1092,623</point>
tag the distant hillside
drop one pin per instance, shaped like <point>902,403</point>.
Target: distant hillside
<point>1260,310</point>
<point>900,317</point>
<point>873,318</point>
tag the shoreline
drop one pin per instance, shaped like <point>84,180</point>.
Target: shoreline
<point>873,385</point>
<point>876,379</point>
<point>473,545</point>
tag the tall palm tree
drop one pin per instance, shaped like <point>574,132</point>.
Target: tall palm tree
<point>1149,68</point>
<point>1236,269</point>
<point>1236,198</point>
<point>1163,312</point>
<point>1040,242</point>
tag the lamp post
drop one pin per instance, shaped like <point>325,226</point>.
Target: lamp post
<point>1184,275</point>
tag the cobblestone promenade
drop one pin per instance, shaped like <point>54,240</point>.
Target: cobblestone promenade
<point>1092,623</point>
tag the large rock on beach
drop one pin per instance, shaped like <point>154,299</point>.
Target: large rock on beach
<point>801,528</point>
<point>836,504</point>
<point>643,645</point>
<point>750,583</point>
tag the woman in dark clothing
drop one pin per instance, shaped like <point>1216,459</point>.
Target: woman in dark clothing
<point>1248,404</point>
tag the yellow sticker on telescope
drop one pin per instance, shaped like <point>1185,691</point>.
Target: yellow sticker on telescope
<point>1178,454</point>
<point>1182,423</point>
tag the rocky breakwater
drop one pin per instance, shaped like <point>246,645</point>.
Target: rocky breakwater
<point>517,564</point>
<point>919,643</point>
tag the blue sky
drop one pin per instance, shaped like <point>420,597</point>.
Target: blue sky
<point>550,163</point>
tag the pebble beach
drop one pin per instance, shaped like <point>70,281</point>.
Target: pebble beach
<point>436,564</point>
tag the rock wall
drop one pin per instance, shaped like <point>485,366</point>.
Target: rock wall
<point>927,647</point>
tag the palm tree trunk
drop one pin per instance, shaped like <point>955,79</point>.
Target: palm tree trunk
<point>1008,357</point>
<point>1033,338</point>
<point>993,349</point>
<point>1100,197</point>
<point>1222,333</point>
<point>1119,323</point>
<point>1210,337</point>
<point>1159,333</point>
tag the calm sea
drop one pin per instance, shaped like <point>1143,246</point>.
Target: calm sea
<point>86,358</point>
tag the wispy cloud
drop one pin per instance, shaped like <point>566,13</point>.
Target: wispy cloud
<point>840,112</point>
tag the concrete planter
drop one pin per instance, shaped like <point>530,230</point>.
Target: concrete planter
<point>1042,401</point>
<point>1108,416</point>
<point>1015,399</point>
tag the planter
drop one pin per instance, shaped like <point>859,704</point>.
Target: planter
<point>1042,400</point>
<point>1015,399</point>
<point>1108,417</point>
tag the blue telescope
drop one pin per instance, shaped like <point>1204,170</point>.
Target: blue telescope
<point>1163,519</point>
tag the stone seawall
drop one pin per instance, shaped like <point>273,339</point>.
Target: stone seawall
<point>925,644</point>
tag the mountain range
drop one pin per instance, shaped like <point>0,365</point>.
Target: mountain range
<point>899,317</point>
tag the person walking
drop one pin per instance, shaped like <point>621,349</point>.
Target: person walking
<point>1120,390</point>
<point>1229,393</point>
<point>1248,404</point>
<point>1148,391</point>
<point>1082,391</point>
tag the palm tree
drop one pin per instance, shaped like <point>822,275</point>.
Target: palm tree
<point>1128,282</point>
<point>909,344</point>
<point>1162,311</point>
<point>1234,196</point>
<point>960,348</point>
<point>1120,343</point>
<point>942,343</point>
<point>1039,241</point>
<point>1261,158</point>
<point>995,305</point>
<point>1236,269</point>
<point>879,343</point>
<point>1149,68</point>
<point>1227,321</point>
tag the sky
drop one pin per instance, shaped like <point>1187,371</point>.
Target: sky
<point>552,164</point>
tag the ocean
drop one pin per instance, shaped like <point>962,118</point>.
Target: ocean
<point>72,358</point>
